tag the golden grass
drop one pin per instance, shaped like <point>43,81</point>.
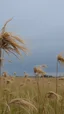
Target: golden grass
<point>20,97</point>
<point>10,43</point>
<point>60,58</point>
<point>38,70</point>
<point>22,102</point>
<point>53,95</point>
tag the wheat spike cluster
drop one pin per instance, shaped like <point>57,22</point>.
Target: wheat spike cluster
<point>60,58</point>
<point>11,43</point>
<point>39,70</point>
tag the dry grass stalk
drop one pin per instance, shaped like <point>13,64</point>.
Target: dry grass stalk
<point>38,70</point>
<point>7,108</point>
<point>52,95</point>
<point>22,102</point>
<point>60,58</point>
<point>10,43</point>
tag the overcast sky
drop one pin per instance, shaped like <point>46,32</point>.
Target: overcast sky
<point>41,24</point>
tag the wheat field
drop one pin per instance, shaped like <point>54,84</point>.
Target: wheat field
<point>28,95</point>
<point>25,95</point>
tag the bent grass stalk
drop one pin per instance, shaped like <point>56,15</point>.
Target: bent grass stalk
<point>60,59</point>
<point>10,43</point>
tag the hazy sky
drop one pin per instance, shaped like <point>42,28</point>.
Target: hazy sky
<point>41,24</point>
